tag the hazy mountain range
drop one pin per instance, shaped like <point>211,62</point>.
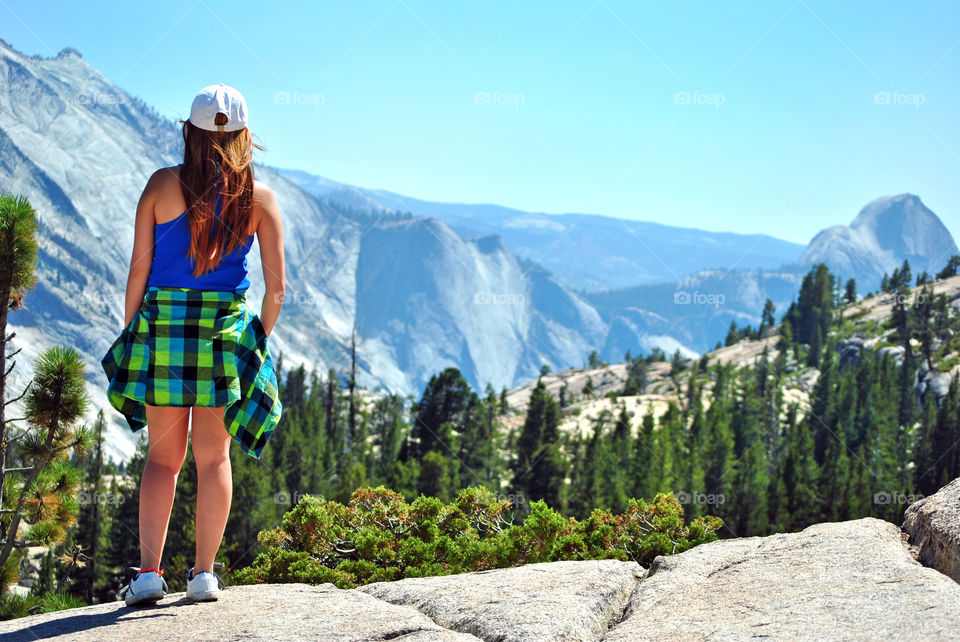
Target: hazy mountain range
<point>586,252</point>
<point>493,291</point>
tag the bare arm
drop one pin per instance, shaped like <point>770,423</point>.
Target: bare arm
<point>143,243</point>
<point>270,239</point>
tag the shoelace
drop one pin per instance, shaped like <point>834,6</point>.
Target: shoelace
<point>139,570</point>
<point>220,583</point>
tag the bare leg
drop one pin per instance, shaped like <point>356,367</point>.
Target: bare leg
<point>167,431</point>
<point>210,443</point>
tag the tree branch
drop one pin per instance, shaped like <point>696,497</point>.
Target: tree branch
<point>26,389</point>
<point>18,470</point>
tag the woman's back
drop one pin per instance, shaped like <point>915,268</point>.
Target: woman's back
<point>172,264</point>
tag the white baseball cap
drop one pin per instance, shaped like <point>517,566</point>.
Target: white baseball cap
<point>219,99</point>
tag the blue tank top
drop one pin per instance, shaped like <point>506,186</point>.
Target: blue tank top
<point>173,266</point>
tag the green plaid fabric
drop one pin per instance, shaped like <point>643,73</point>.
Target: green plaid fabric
<point>189,347</point>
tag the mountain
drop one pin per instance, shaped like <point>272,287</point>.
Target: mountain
<point>586,252</point>
<point>886,232</point>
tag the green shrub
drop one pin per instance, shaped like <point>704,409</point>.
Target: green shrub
<point>13,606</point>
<point>377,536</point>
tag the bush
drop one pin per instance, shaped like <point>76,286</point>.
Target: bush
<point>14,606</point>
<point>377,536</point>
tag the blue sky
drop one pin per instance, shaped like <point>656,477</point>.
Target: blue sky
<point>564,106</point>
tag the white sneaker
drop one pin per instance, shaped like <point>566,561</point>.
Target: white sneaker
<point>147,585</point>
<point>204,586</point>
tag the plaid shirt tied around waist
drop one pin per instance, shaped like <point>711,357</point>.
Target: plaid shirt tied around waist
<point>190,347</point>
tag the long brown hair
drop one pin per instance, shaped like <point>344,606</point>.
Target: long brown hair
<point>216,163</point>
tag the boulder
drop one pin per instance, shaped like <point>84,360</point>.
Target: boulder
<point>933,525</point>
<point>840,580</point>
<point>849,351</point>
<point>939,382</point>
<point>896,352</point>
<point>568,600</point>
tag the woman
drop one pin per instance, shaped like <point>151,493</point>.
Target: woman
<point>192,352</point>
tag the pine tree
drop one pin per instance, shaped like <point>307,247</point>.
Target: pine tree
<point>258,502</point>
<point>540,467</point>
<point>621,443</point>
<point>799,474</point>
<point>642,468</point>
<point>834,478</point>
<point>822,409</point>
<point>315,432</point>
<point>40,488</point>
<point>441,409</point>
<point>767,318</point>
<point>388,430</point>
<point>816,348</point>
<point>732,335</point>
<point>901,319</point>
<point>718,443</point>
<point>950,269</point>
<point>925,455</point>
<point>850,291</point>
<point>94,511</point>
<point>924,322</point>
<point>436,476</point>
<point>289,444</point>
<point>945,437</point>
<point>751,470</point>
<point>581,478</point>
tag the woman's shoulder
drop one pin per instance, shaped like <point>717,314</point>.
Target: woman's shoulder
<point>164,177</point>
<point>173,171</point>
<point>263,198</point>
<point>261,193</point>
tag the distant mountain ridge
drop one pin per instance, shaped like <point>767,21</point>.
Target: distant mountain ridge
<point>586,252</point>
